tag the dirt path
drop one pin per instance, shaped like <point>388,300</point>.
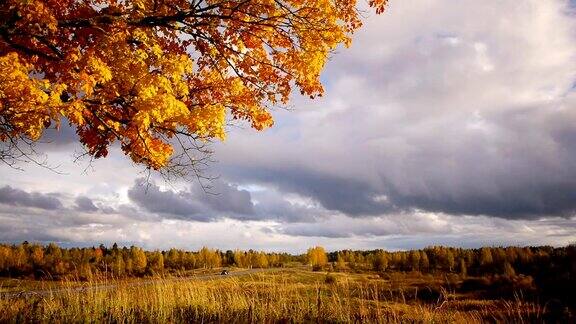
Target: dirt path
<point>143,282</point>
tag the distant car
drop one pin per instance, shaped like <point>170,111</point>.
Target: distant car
<point>224,273</point>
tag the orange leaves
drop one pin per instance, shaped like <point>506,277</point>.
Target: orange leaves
<point>380,5</point>
<point>36,15</point>
<point>261,119</point>
<point>143,148</point>
<point>142,72</point>
<point>96,73</point>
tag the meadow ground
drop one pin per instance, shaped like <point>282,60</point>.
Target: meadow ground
<point>283,295</point>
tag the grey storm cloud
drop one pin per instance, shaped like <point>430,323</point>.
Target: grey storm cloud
<point>223,197</point>
<point>444,113</point>
<point>336,193</point>
<point>524,168</point>
<point>398,224</point>
<point>19,223</point>
<point>442,227</point>
<point>12,233</point>
<point>85,204</point>
<point>180,205</point>
<point>17,197</point>
<point>276,205</point>
<point>194,204</point>
<point>223,200</point>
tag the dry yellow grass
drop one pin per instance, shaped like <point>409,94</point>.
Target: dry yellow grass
<point>286,296</point>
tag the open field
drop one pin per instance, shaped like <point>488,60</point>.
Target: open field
<point>289,295</point>
<point>13,288</point>
<point>435,284</point>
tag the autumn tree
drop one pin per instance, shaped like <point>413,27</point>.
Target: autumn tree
<point>156,262</point>
<point>340,263</point>
<point>209,258</point>
<point>415,260</point>
<point>424,261</point>
<point>486,260</point>
<point>6,258</point>
<point>139,260</point>
<point>119,266</point>
<point>274,260</point>
<point>240,259</point>
<point>189,261</point>
<point>317,257</point>
<point>509,269</point>
<point>160,78</point>
<point>261,260</point>
<point>54,258</point>
<point>450,262</point>
<point>173,259</point>
<point>463,268</point>
<point>37,256</point>
<point>380,261</point>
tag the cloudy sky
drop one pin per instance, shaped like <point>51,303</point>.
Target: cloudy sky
<point>447,122</point>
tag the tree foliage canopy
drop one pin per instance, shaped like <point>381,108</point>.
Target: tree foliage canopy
<point>152,74</point>
<point>317,257</point>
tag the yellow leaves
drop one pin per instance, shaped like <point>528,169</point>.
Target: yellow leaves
<point>140,5</point>
<point>87,84</point>
<point>96,72</point>
<point>208,121</point>
<point>309,81</point>
<point>246,107</point>
<point>54,99</point>
<point>149,44</point>
<point>147,92</point>
<point>176,66</point>
<point>74,56</point>
<point>237,87</point>
<point>140,35</point>
<point>140,55</point>
<point>74,112</point>
<point>156,103</point>
<point>158,110</point>
<point>158,152</point>
<point>142,71</point>
<point>316,256</point>
<point>100,71</point>
<point>27,104</point>
<point>156,51</point>
<point>261,119</point>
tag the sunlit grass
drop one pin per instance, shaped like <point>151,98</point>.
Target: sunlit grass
<point>289,295</point>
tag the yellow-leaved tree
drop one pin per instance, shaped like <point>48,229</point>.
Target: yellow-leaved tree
<point>159,77</point>
<point>316,257</point>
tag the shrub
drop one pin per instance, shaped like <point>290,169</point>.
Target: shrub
<point>475,284</point>
<point>317,267</point>
<point>330,279</point>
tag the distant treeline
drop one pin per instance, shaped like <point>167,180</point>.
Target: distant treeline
<point>54,262</point>
<point>545,272</point>
<point>475,262</point>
